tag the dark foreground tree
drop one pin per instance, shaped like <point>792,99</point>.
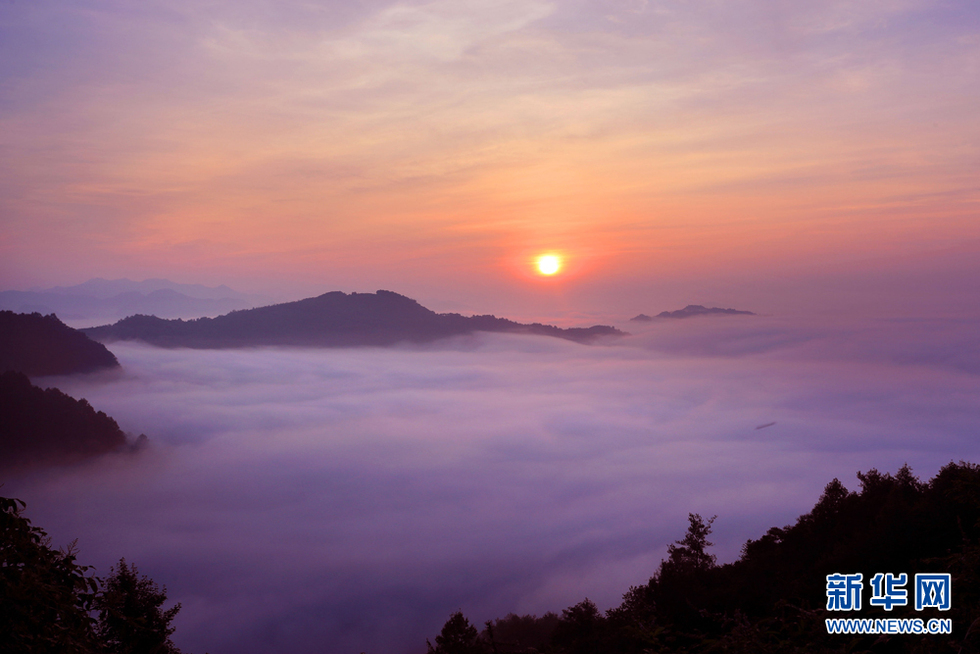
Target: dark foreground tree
<point>45,596</point>
<point>773,599</point>
<point>581,629</point>
<point>691,553</point>
<point>458,636</point>
<point>515,634</point>
<point>47,600</point>
<point>131,617</point>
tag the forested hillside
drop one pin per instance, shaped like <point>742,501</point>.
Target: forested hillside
<point>39,345</point>
<point>774,598</point>
<point>45,426</point>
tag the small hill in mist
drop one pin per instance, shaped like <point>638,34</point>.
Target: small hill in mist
<point>331,320</point>
<point>39,345</point>
<point>46,427</point>
<point>693,310</point>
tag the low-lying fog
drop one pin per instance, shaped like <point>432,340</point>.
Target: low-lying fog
<point>350,500</point>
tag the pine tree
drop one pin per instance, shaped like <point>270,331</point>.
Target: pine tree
<point>458,636</point>
<point>131,620</point>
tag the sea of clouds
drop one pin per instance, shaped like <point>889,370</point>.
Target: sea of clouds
<point>349,500</point>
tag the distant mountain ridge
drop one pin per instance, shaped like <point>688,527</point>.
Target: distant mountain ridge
<point>693,310</point>
<point>104,289</point>
<point>333,319</point>
<point>102,300</point>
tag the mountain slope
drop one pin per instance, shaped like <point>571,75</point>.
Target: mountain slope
<point>333,320</point>
<point>43,345</point>
<point>45,426</point>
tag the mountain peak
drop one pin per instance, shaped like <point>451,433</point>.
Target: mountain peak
<point>334,319</point>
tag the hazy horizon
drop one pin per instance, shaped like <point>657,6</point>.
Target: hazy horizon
<point>817,158</point>
<point>845,305</point>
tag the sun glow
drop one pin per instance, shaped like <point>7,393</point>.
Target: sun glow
<point>548,264</point>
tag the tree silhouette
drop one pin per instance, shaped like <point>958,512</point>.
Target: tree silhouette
<point>47,600</point>
<point>690,553</point>
<point>45,597</point>
<point>458,636</point>
<point>580,630</point>
<point>520,633</point>
<point>772,599</point>
<point>131,620</point>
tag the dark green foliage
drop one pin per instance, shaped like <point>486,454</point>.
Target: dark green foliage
<point>773,598</point>
<point>683,582</point>
<point>581,629</point>
<point>458,636</point>
<point>520,633</point>
<point>48,601</point>
<point>690,555</point>
<point>131,620</point>
<point>45,596</point>
<point>46,426</point>
<point>43,345</point>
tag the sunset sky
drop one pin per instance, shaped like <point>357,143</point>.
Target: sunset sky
<point>771,155</point>
<point>815,162</point>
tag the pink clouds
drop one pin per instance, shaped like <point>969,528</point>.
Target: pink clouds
<point>308,144</point>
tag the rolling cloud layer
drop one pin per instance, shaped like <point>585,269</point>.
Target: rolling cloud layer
<point>350,500</point>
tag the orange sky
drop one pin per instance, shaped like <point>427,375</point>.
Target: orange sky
<point>762,154</point>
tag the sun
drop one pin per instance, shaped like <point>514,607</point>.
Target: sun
<point>548,264</point>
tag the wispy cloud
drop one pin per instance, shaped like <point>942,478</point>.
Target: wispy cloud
<point>297,132</point>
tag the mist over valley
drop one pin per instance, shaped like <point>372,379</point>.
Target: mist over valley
<point>350,499</point>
